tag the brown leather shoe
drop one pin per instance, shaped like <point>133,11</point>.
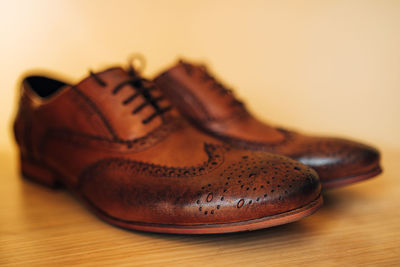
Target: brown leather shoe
<point>215,110</point>
<point>116,143</point>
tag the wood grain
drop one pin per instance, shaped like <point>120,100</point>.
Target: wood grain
<point>358,225</point>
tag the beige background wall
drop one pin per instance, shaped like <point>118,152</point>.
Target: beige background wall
<point>320,66</point>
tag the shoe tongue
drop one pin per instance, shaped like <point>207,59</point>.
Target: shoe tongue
<point>114,107</point>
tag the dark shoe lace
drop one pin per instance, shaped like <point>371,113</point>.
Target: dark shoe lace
<point>144,88</point>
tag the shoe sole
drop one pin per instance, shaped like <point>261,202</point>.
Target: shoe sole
<point>217,228</point>
<point>343,181</point>
<point>43,175</point>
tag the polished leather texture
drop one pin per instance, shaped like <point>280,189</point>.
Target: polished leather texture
<point>215,110</point>
<point>159,174</point>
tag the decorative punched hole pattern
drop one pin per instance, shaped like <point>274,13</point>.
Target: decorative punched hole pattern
<point>250,178</point>
<point>148,169</point>
<point>240,203</point>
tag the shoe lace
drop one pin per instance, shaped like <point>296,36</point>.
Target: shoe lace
<point>214,84</point>
<point>143,87</point>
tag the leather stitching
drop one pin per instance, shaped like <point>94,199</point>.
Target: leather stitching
<point>98,142</point>
<point>215,159</point>
<point>171,86</point>
<point>96,110</point>
<point>248,144</point>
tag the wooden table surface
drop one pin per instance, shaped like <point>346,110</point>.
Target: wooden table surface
<point>358,225</point>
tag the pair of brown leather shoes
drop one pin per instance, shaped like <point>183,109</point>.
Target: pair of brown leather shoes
<point>134,159</point>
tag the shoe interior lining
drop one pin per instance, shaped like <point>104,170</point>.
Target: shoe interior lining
<point>43,86</point>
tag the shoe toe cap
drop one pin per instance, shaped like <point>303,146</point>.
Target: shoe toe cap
<point>269,185</point>
<point>246,186</point>
<point>336,158</point>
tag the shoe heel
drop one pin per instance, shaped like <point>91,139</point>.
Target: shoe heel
<point>37,172</point>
